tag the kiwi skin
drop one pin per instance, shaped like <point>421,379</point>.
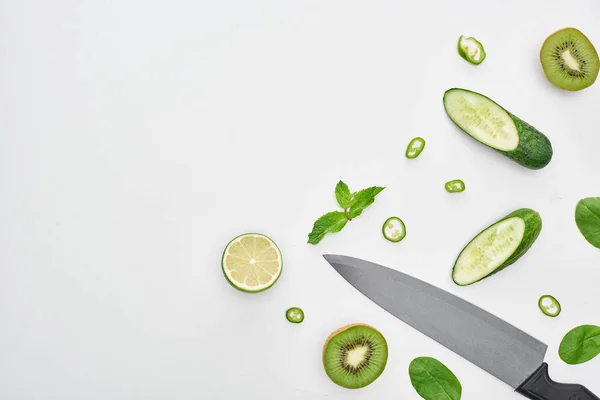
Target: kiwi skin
<point>345,328</point>
<point>556,80</point>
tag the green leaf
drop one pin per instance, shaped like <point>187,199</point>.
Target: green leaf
<point>587,218</point>
<point>580,345</point>
<point>362,200</point>
<point>343,195</point>
<point>329,223</point>
<point>433,380</point>
<point>353,205</point>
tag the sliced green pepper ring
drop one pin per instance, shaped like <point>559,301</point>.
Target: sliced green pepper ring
<point>295,315</point>
<point>471,50</point>
<point>394,229</point>
<point>549,305</point>
<point>415,147</point>
<point>455,186</point>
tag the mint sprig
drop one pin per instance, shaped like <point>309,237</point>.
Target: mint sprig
<point>362,199</point>
<point>353,205</point>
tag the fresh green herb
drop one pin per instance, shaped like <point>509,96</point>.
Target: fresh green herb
<point>393,229</point>
<point>295,315</point>
<point>362,200</point>
<point>580,345</point>
<point>471,50</point>
<point>455,186</point>
<point>549,305</point>
<point>433,380</point>
<point>329,223</point>
<point>587,218</point>
<point>343,195</point>
<point>415,147</point>
<point>353,205</point>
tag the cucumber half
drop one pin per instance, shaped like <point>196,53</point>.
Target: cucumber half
<point>497,246</point>
<point>487,122</point>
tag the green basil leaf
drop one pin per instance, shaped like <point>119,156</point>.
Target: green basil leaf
<point>587,218</point>
<point>580,345</point>
<point>329,223</point>
<point>362,199</point>
<point>343,195</point>
<point>433,380</point>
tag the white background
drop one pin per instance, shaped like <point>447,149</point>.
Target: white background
<point>138,137</point>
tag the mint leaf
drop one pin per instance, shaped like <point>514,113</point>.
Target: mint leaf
<point>362,200</point>
<point>329,223</point>
<point>343,195</point>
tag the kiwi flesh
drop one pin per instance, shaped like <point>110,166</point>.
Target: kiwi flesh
<point>570,60</point>
<point>355,355</point>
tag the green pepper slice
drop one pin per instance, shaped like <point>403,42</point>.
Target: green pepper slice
<point>295,315</point>
<point>455,186</point>
<point>393,229</point>
<point>471,50</point>
<point>415,147</point>
<point>549,305</point>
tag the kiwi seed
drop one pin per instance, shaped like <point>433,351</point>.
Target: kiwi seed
<point>570,60</point>
<point>354,356</point>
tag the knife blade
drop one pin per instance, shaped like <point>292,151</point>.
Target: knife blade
<point>487,341</point>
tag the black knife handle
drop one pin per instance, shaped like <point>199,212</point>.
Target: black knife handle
<point>539,386</point>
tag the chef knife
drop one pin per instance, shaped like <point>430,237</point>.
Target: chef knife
<point>492,344</point>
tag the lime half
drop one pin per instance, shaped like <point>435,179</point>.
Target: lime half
<point>252,262</point>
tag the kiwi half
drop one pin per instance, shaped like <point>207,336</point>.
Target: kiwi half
<point>355,355</point>
<point>570,60</point>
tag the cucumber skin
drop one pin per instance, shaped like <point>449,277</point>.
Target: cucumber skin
<point>533,227</point>
<point>534,150</point>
